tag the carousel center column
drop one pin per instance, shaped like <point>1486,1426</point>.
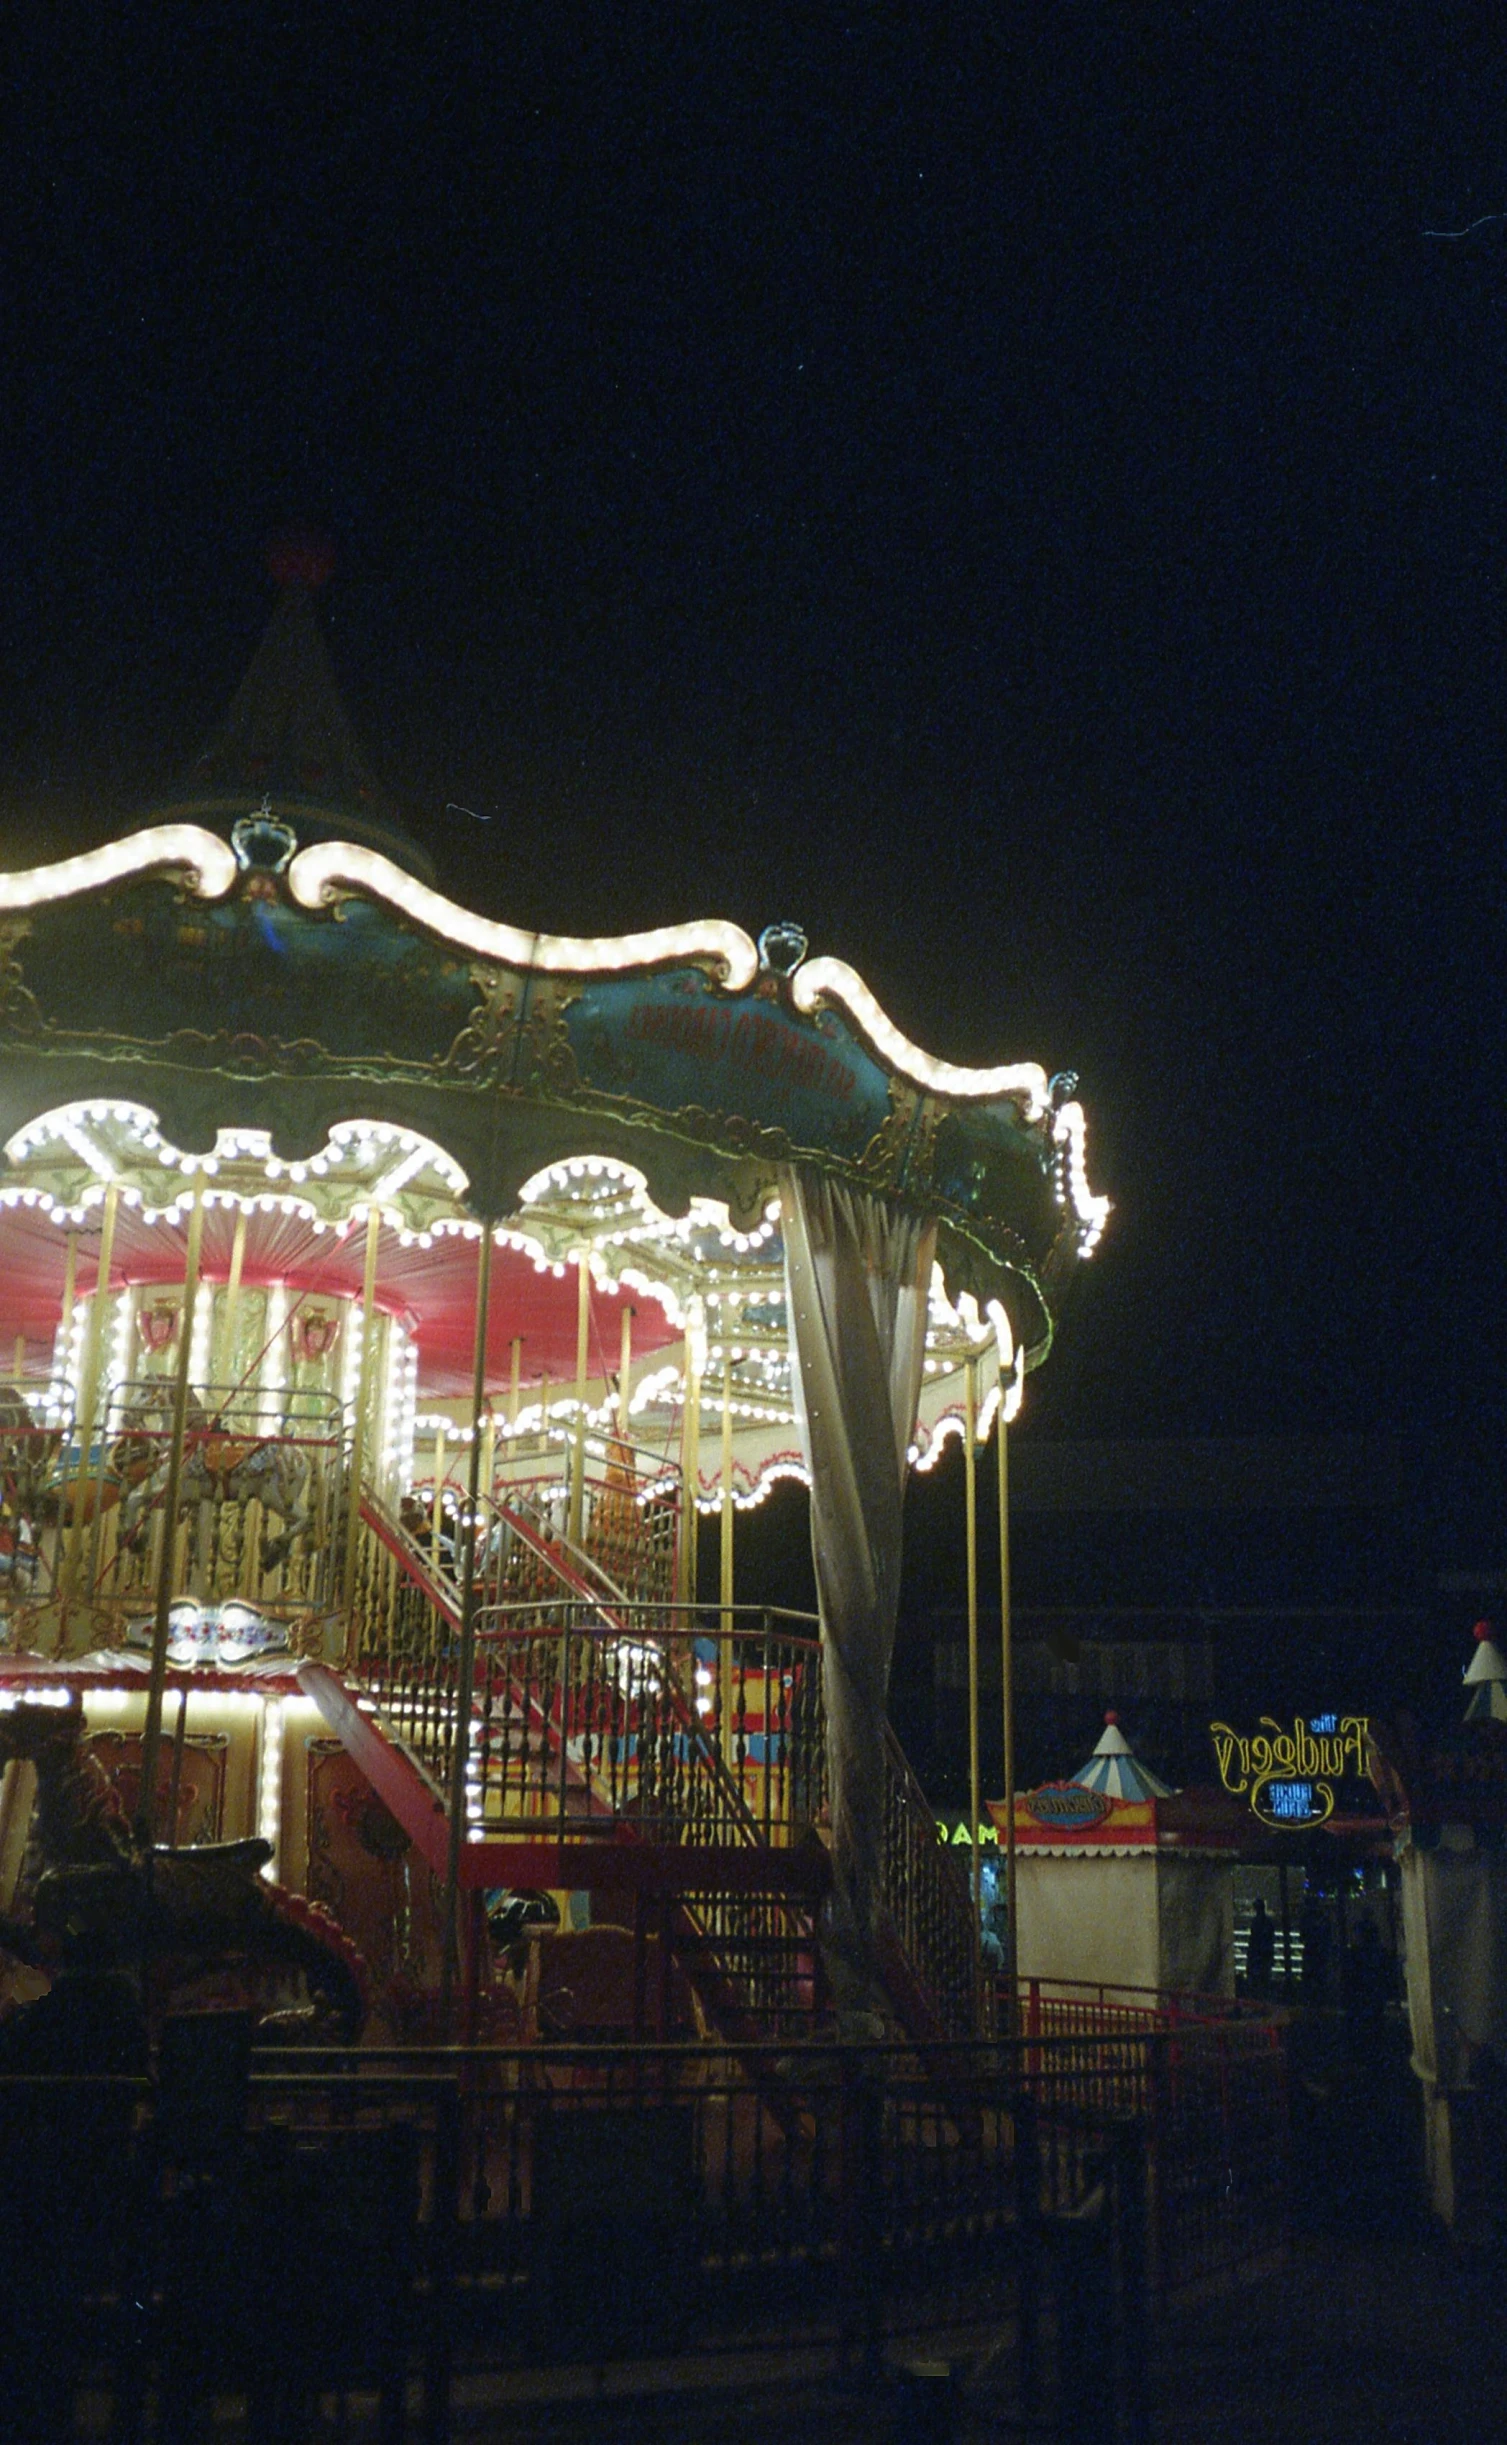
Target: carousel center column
<point>152,1736</point>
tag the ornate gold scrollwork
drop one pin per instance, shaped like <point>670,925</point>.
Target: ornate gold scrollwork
<point>18,1004</point>
<point>528,1051</point>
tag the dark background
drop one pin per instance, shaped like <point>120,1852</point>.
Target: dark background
<point>1017,491</point>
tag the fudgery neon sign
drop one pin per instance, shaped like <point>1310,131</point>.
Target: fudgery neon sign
<point>1289,1777</point>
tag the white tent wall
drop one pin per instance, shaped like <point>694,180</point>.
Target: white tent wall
<point>1088,1917</point>
<point>1454,1922</point>
<point>1142,1921</point>
<point>1196,1926</point>
<point>1454,1925</point>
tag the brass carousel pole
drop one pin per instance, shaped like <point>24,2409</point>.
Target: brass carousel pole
<point>690,1461</point>
<point>223,1363</point>
<point>151,1739</point>
<point>970,1495</point>
<point>625,1371</point>
<point>70,1276</point>
<point>437,1500</point>
<point>90,1370</point>
<point>460,1737</point>
<point>358,1424</point>
<point>578,1448</point>
<point>725,1571</point>
<point>1007,1683</point>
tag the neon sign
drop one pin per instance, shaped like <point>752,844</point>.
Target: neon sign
<point>1289,1777</point>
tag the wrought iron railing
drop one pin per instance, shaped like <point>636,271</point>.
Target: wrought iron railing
<point>592,1717</point>
<point>930,1908</point>
<point>1079,2007</point>
<point>657,1721</point>
<point>403,1636</point>
<point>628,1528</point>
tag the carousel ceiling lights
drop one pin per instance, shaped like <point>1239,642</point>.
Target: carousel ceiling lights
<point>695,1267</point>
<point>114,1142</point>
<point>1070,1137</point>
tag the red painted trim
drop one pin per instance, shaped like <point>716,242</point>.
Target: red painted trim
<point>611,1863</point>
<point>391,1772</point>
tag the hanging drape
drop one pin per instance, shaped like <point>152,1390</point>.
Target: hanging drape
<point>856,1277</point>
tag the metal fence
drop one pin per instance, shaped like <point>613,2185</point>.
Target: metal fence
<point>389,2215</point>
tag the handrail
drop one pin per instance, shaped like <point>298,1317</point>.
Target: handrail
<point>927,1904</point>
<point>551,1551</point>
<point>410,1554</point>
<point>686,1620</point>
<point>703,1749</point>
<point>627,1541</point>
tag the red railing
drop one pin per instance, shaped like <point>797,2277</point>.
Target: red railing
<point>1079,2007</point>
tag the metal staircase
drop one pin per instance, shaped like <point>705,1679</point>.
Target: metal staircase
<point>671,1756</point>
<point>665,1753</point>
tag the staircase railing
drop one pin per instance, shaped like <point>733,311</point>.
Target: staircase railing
<point>679,1722</point>
<point>930,1912</point>
<point>630,1503</point>
<point>687,1724</point>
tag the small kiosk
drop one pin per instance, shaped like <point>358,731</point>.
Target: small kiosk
<point>1123,1883</point>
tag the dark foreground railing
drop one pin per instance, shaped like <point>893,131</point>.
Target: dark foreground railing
<point>229,2241</point>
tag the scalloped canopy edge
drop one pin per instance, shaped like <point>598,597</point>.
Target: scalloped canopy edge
<point>320,874</point>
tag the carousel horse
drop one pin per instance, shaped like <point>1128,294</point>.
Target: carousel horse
<point>196,1908</point>
<point>221,1464</point>
<point>224,1466</point>
<point>28,1477</point>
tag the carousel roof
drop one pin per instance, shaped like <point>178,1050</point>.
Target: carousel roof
<point>260,997</point>
<point>287,745</point>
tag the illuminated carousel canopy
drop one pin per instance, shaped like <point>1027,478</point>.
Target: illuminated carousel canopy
<point>251,1047</point>
<point>283,991</point>
<point>263,993</point>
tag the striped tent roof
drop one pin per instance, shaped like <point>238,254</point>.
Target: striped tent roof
<point>1486,1678</point>
<point>1115,1769</point>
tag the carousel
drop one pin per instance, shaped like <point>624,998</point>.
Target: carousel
<point>399,1309</point>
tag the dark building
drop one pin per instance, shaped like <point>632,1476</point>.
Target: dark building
<point>1176,1582</point>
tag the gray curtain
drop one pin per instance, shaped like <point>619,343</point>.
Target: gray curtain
<point>856,1280</point>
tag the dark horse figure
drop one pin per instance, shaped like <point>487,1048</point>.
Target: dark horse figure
<point>189,1911</point>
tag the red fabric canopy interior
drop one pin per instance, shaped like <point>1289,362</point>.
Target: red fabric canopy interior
<point>434,1289</point>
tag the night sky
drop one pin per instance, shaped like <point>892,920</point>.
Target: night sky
<point>1016,490</point>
